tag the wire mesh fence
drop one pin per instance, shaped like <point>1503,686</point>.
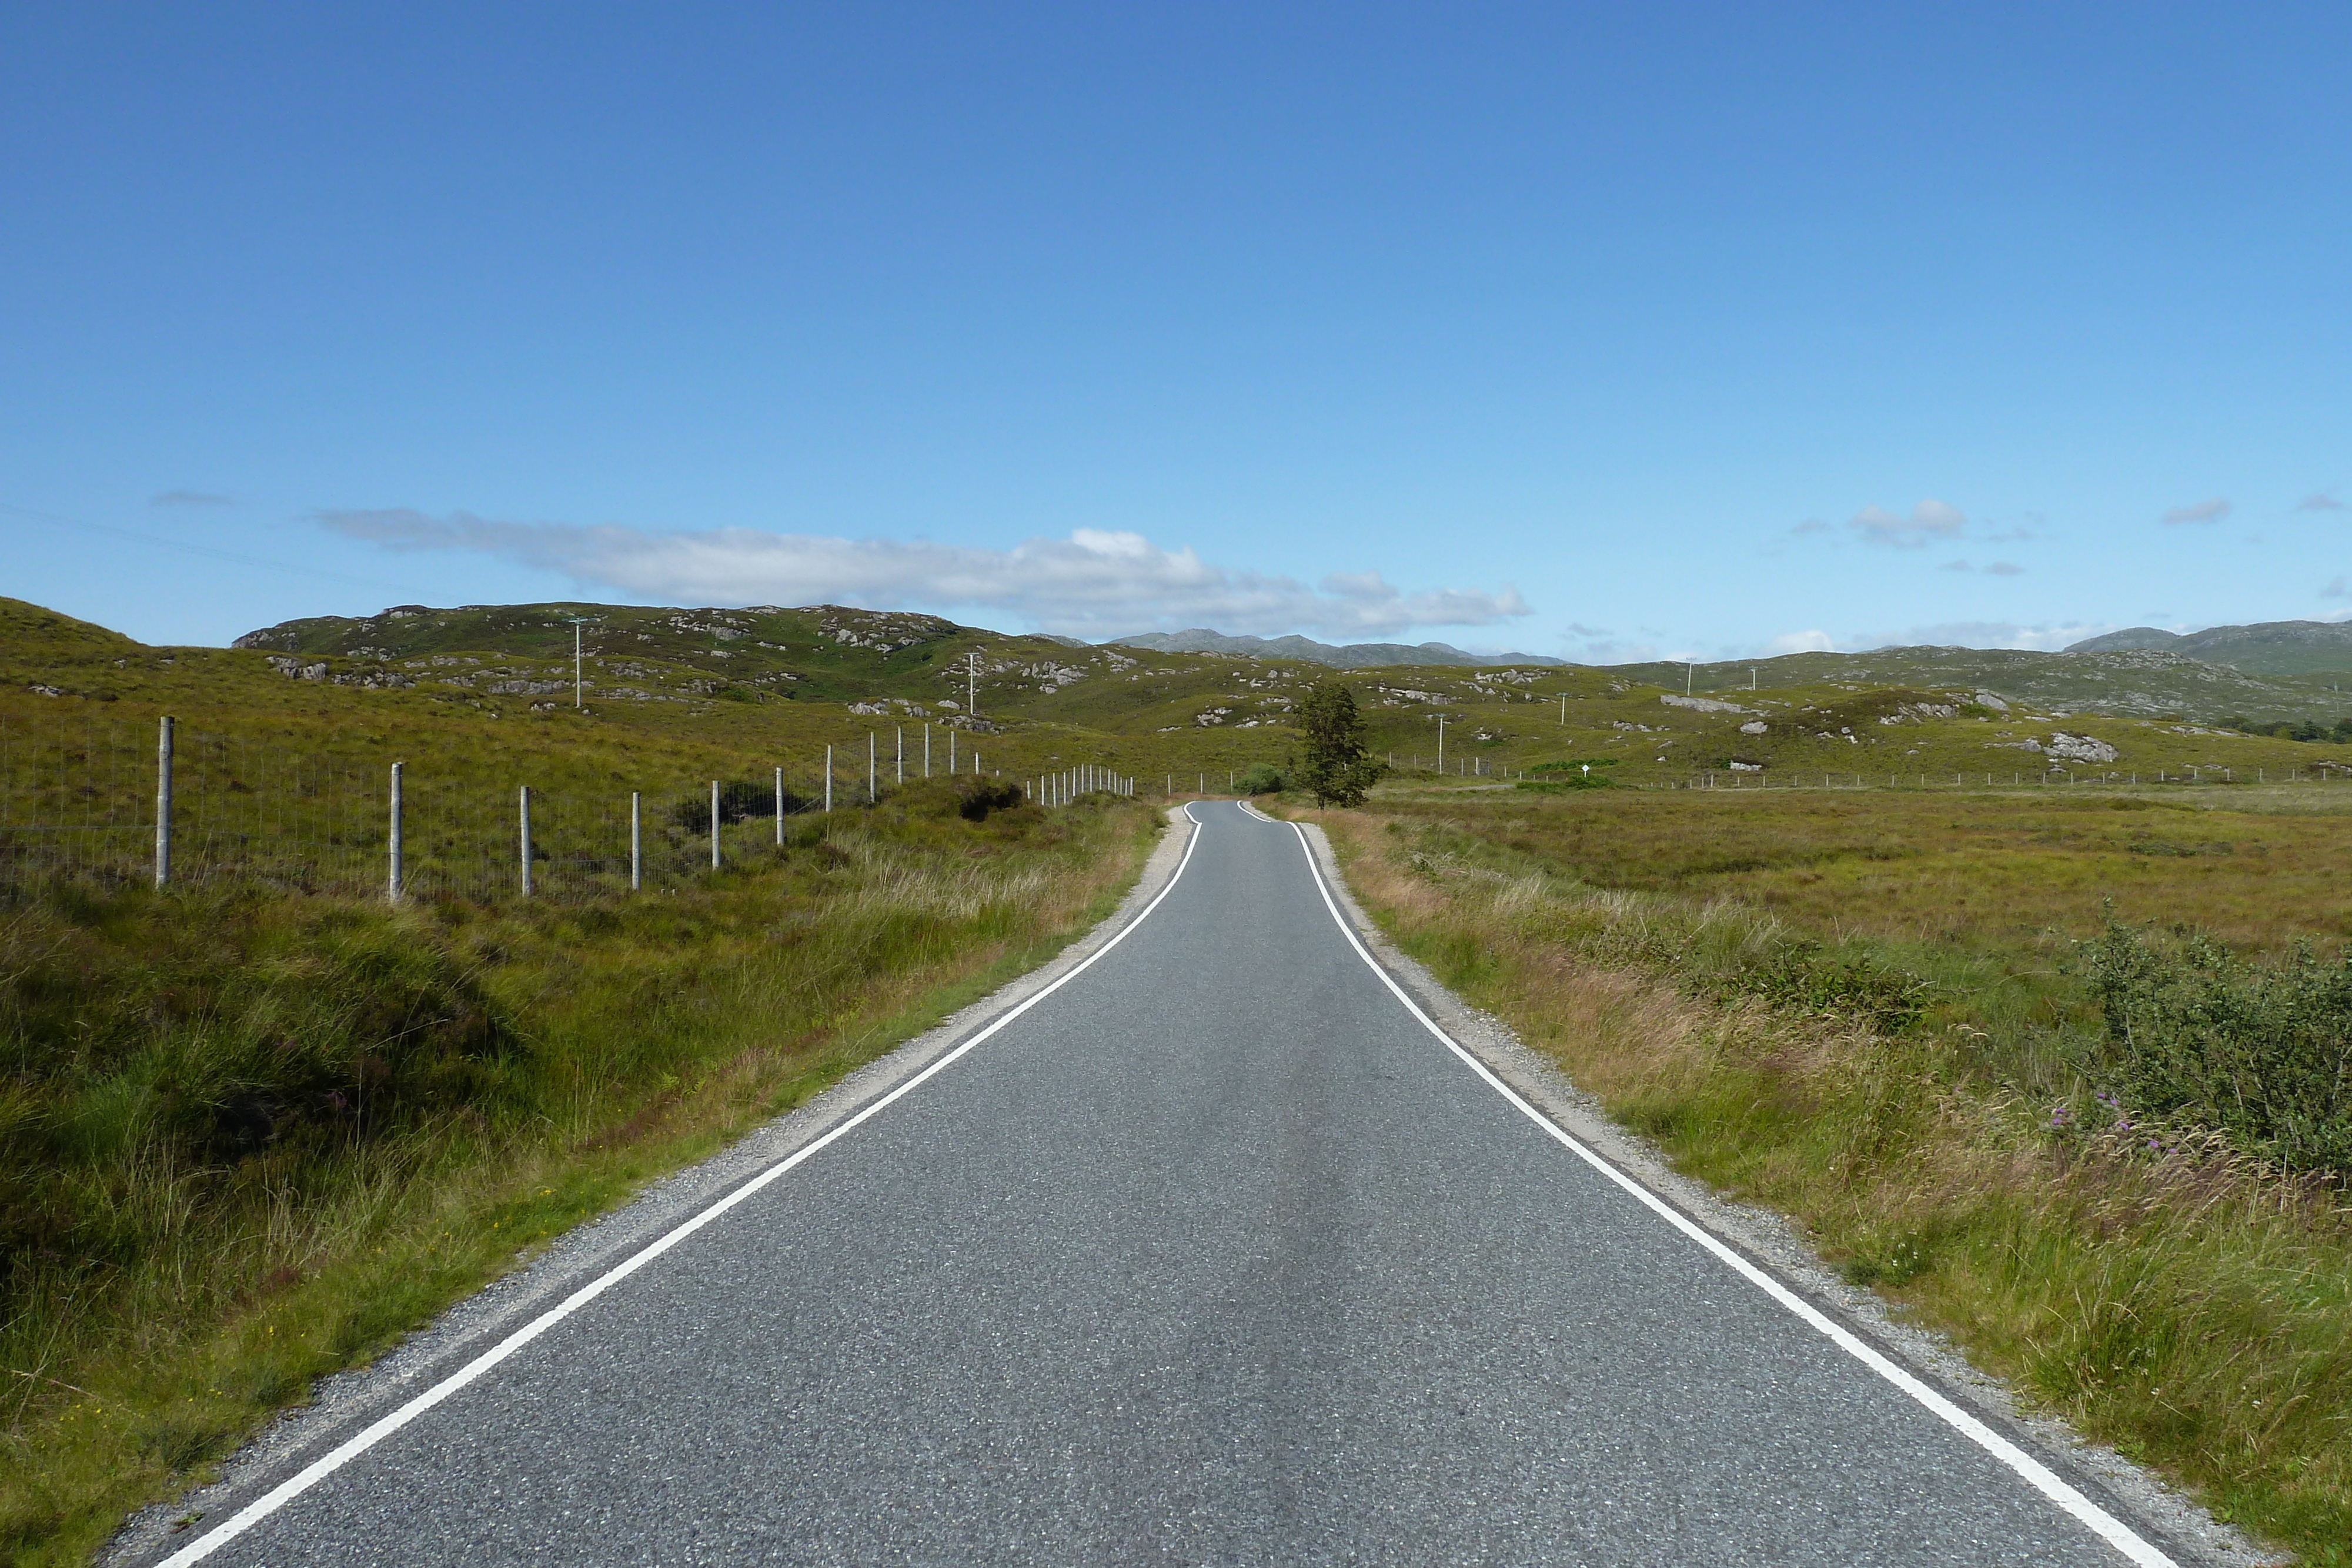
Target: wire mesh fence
<point>81,798</point>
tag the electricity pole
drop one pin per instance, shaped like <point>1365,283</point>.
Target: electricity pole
<point>577,621</point>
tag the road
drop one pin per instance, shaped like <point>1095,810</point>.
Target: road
<point>1216,1254</point>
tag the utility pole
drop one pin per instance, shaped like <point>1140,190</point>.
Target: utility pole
<point>1441,746</point>
<point>1564,710</point>
<point>577,621</point>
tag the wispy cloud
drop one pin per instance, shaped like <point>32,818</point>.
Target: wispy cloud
<point>2211,511</point>
<point>2336,590</point>
<point>2004,569</point>
<point>1812,641</point>
<point>1094,583</point>
<point>1956,566</point>
<point>2324,501</point>
<point>1984,634</point>
<point>189,498</point>
<point>1810,526</point>
<point>1929,520</point>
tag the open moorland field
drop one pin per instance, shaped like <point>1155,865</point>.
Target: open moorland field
<point>1902,1018</point>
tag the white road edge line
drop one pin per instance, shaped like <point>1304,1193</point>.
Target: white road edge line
<point>319,1469</point>
<point>2100,1522</point>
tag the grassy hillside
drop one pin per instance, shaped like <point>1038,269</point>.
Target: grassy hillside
<point>2317,648</point>
<point>287,743</point>
<point>2143,683</point>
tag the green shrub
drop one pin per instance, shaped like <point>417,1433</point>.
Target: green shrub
<point>740,800</point>
<point>1579,773</point>
<point>2261,1053</point>
<point>1806,977</point>
<point>1263,778</point>
<point>976,798</point>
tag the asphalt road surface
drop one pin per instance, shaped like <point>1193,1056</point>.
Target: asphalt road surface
<point>1216,1254</point>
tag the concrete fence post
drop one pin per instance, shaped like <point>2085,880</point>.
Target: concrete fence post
<point>714,824</point>
<point>828,777</point>
<point>163,802</point>
<point>636,842</point>
<point>780,808</point>
<point>522,807</point>
<point>392,842</point>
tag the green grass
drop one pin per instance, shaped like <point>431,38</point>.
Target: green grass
<point>249,1138</point>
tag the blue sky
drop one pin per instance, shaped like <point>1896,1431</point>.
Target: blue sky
<point>1605,331</point>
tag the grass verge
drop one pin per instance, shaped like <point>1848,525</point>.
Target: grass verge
<point>2185,1302</point>
<point>247,1140</point>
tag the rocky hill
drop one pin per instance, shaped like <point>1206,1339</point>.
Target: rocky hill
<point>1347,656</point>
<point>2264,648</point>
<point>2132,683</point>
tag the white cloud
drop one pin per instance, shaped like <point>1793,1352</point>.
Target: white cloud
<point>2211,511</point>
<point>1930,519</point>
<point>1984,634</point>
<point>1814,642</point>
<point>1094,583</point>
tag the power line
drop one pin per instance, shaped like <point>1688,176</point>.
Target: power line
<point>207,550</point>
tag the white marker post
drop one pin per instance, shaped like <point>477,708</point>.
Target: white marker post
<point>163,801</point>
<point>392,842</point>
<point>636,842</point>
<point>780,808</point>
<point>522,808</point>
<point>828,777</point>
<point>714,824</point>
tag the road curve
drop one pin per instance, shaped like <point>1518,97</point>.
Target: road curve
<point>1214,1254</point>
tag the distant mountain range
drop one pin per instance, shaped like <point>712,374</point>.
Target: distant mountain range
<point>2265,648</point>
<point>1350,656</point>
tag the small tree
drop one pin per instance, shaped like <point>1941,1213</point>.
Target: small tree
<point>1339,768</point>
